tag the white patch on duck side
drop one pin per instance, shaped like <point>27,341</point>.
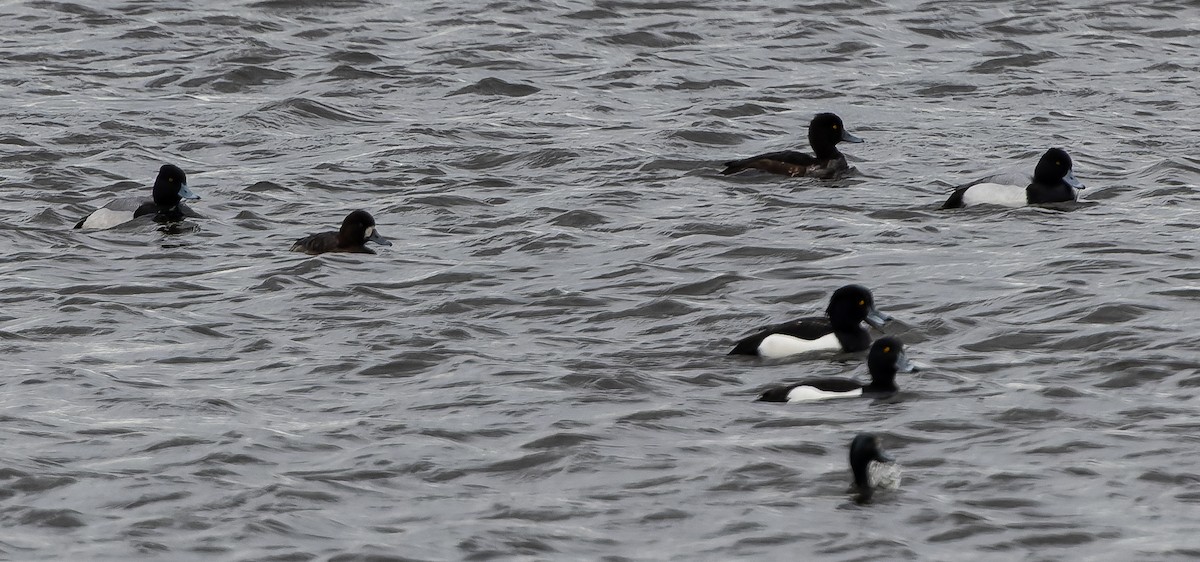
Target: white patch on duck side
<point>810,393</point>
<point>995,194</point>
<point>106,218</point>
<point>884,475</point>
<point>775,346</point>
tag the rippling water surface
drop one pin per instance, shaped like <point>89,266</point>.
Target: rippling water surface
<point>536,368</point>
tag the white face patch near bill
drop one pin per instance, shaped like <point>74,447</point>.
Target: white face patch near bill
<point>809,393</point>
<point>369,232</point>
<point>779,345</point>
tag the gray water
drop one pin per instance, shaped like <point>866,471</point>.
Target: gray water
<point>536,369</point>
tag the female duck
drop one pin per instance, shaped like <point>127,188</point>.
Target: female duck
<point>165,204</point>
<point>824,133</point>
<point>1052,182</point>
<point>840,330</point>
<point>356,231</point>
<point>886,358</point>
<point>866,456</point>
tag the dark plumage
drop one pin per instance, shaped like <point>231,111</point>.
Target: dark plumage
<point>1053,182</point>
<point>165,203</point>
<point>865,449</point>
<point>848,307</point>
<point>356,231</point>
<point>824,133</point>
<point>887,357</point>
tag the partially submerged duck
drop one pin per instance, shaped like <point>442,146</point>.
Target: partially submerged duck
<point>824,133</point>
<point>840,330</point>
<point>357,229</point>
<point>887,357</point>
<point>164,205</point>
<point>1053,182</point>
<point>872,468</point>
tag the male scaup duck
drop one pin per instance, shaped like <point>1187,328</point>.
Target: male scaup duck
<point>840,330</point>
<point>165,204</point>
<point>1053,182</point>
<point>866,456</point>
<point>886,358</point>
<point>356,231</point>
<point>824,132</point>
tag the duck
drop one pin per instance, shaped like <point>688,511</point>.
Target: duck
<point>1053,182</point>
<point>357,229</point>
<point>884,361</point>
<point>839,331</point>
<point>825,131</point>
<point>873,469</point>
<point>164,205</point>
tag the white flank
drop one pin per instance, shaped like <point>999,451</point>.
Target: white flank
<point>778,345</point>
<point>884,475</point>
<point>809,393</point>
<point>107,218</point>
<point>995,194</point>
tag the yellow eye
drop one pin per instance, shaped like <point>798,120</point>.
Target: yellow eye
<point>887,349</point>
<point>860,303</point>
<point>835,127</point>
<point>1058,162</point>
